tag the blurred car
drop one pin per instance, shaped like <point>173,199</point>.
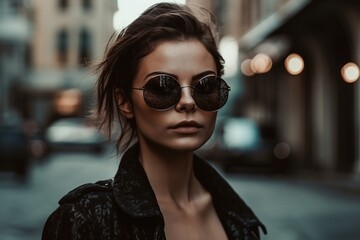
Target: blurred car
<point>240,143</point>
<point>14,150</point>
<point>74,134</point>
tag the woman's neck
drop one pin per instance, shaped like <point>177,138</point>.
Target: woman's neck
<point>171,175</point>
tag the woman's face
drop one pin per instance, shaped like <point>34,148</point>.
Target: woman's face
<point>183,127</point>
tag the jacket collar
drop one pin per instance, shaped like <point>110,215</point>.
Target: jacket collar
<point>132,189</point>
<point>134,195</point>
<point>226,201</point>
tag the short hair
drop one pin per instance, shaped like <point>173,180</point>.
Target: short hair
<point>117,71</point>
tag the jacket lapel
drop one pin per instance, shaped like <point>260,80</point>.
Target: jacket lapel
<point>132,190</point>
<point>238,219</point>
<point>134,195</point>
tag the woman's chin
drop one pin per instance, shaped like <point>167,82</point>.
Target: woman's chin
<point>187,146</point>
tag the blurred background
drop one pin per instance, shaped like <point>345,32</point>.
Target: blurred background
<point>287,141</point>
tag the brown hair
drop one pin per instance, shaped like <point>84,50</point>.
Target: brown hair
<point>161,22</point>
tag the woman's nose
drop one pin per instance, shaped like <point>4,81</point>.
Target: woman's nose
<point>186,102</point>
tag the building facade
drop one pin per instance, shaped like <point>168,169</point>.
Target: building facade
<point>316,110</point>
<point>15,37</point>
<point>68,36</point>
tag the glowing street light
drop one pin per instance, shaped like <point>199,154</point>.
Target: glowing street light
<point>294,64</point>
<point>246,68</point>
<point>350,72</point>
<point>261,63</point>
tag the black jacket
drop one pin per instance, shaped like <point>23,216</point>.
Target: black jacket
<point>126,208</point>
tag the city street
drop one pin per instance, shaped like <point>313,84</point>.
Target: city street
<point>292,208</point>
<point>281,76</point>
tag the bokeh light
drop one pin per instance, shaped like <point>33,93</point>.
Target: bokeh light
<point>246,68</point>
<point>282,150</point>
<point>350,72</point>
<point>261,63</point>
<point>294,64</point>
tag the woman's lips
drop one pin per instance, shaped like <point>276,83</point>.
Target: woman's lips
<point>186,127</point>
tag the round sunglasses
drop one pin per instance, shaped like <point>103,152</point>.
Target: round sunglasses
<point>163,91</point>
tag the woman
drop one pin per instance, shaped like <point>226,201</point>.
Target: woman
<point>160,79</point>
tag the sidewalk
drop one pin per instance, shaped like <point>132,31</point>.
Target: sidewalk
<point>343,182</point>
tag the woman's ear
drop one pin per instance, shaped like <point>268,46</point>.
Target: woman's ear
<point>123,104</point>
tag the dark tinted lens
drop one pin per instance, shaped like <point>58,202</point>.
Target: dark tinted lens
<point>162,92</point>
<point>210,93</point>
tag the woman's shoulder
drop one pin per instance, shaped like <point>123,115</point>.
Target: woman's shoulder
<point>100,189</point>
<point>89,200</point>
<point>85,211</point>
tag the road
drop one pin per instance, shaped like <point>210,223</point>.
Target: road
<point>292,208</point>
<point>301,209</point>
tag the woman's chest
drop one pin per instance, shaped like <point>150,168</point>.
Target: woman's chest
<point>190,226</point>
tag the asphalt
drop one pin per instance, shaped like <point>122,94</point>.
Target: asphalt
<point>345,182</point>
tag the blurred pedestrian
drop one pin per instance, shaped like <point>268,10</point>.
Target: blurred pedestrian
<point>160,81</point>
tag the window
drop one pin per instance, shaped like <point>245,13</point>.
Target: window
<point>63,4</point>
<point>62,45</point>
<point>87,4</point>
<point>84,47</point>
<point>16,5</point>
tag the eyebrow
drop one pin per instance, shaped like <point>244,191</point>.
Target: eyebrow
<point>203,74</point>
<point>195,77</point>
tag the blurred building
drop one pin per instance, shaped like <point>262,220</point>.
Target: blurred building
<point>68,36</point>
<point>15,36</point>
<point>299,62</point>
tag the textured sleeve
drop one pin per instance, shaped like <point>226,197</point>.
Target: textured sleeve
<point>86,213</point>
<point>66,223</point>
